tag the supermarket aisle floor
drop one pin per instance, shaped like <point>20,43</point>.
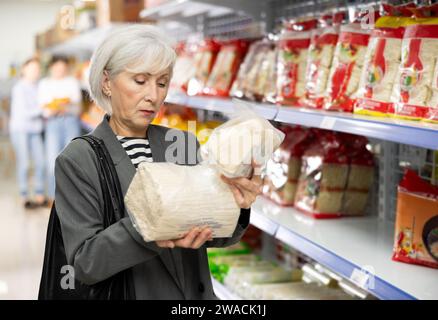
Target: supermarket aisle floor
<point>22,236</point>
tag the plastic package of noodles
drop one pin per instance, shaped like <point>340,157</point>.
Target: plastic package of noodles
<point>320,58</point>
<point>255,73</point>
<point>293,45</point>
<point>225,68</point>
<point>346,68</point>
<point>284,167</point>
<point>381,66</point>
<point>204,57</point>
<point>413,92</point>
<point>324,174</point>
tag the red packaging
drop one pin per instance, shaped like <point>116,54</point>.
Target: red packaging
<point>414,89</point>
<point>283,169</point>
<point>204,59</point>
<point>291,66</point>
<point>254,79</point>
<point>323,178</point>
<point>346,68</point>
<point>319,61</point>
<point>225,68</point>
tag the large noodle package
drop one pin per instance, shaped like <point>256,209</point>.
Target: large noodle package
<point>291,66</point>
<point>346,68</point>
<point>416,226</point>
<point>319,60</point>
<point>254,80</point>
<point>324,174</point>
<point>166,200</point>
<point>415,85</point>
<point>184,68</point>
<point>284,167</point>
<point>225,68</point>
<point>204,58</point>
<point>381,66</point>
<point>360,175</point>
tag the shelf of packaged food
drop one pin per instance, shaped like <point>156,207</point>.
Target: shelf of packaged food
<point>402,131</point>
<point>222,292</point>
<point>357,248</point>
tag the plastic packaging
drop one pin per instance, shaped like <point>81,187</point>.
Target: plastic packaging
<point>225,68</point>
<point>415,79</point>
<point>246,137</point>
<point>163,207</point>
<point>253,80</point>
<point>284,167</point>
<point>346,69</point>
<point>291,66</point>
<point>320,57</point>
<point>324,175</point>
<point>360,175</point>
<point>204,58</point>
<point>381,66</point>
<point>416,225</point>
<point>184,68</point>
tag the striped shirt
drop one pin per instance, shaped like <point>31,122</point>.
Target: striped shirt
<point>138,149</point>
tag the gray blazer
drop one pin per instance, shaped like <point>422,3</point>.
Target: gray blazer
<point>97,253</point>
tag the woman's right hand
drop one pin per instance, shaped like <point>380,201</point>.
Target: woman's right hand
<point>194,239</point>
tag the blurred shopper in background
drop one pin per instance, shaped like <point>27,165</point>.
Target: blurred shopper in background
<point>59,96</point>
<point>26,126</point>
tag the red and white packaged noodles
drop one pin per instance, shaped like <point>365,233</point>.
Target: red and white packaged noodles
<point>225,68</point>
<point>360,175</point>
<point>184,68</point>
<point>283,169</point>
<point>382,62</point>
<point>320,57</point>
<point>416,86</point>
<point>324,174</point>
<point>256,77</point>
<point>346,68</point>
<point>293,45</point>
<point>204,58</point>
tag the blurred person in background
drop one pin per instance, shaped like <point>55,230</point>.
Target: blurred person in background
<point>26,126</point>
<point>59,97</point>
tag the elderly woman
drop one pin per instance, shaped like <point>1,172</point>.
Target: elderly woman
<point>129,78</point>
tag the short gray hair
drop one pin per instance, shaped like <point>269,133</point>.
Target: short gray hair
<point>135,48</point>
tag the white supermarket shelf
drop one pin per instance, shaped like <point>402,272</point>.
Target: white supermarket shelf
<point>357,248</point>
<point>401,131</point>
<point>222,292</point>
<point>84,42</point>
<point>184,8</point>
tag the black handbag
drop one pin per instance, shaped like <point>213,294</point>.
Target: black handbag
<point>119,286</point>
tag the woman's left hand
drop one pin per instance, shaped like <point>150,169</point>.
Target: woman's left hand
<point>245,190</point>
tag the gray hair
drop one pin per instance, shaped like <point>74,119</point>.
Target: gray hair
<point>135,48</point>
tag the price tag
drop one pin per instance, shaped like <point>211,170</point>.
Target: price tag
<point>328,123</point>
<point>360,277</point>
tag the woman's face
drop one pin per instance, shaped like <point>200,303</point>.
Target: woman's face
<point>137,97</point>
<point>59,70</point>
<point>31,71</point>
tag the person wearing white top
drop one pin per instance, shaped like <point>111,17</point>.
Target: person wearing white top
<point>59,97</point>
<point>25,129</point>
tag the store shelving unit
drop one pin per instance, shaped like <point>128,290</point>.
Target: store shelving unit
<point>357,248</point>
<point>395,130</point>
